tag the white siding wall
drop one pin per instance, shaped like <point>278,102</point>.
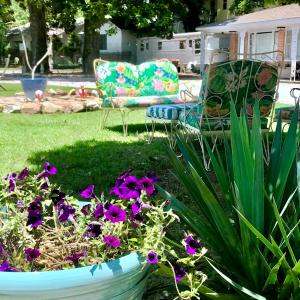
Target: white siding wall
<point>114,42</point>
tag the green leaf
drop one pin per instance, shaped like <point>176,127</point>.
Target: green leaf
<point>236,285</point>
<point>272,277</point>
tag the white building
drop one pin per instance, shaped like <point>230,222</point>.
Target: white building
<point>261,31</point>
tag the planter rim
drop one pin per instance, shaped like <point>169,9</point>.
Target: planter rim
<point>116,269</point>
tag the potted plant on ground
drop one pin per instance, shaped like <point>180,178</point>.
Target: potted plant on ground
<point>33,84</point>
<point>54,247</point>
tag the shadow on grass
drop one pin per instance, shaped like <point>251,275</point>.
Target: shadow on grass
<point>134,128</point>
<point>96,162</point>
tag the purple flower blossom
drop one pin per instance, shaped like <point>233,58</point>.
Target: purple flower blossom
<point>65,213</point>
<point>74,258</point>
<point>115,214</point>
<point>44,186</point>
<point>121,178</point>
<point>191,245</point>
<point>135,220</point>
<point>152,257</point>
<point>179,273</point>
<point>6,267</point>
<point>99,211</point>
<point>32,254</point>
<point>35,205</point>
<point>20,204</point>
<point>107,205</point>
<point>12,186</point>
<point>86,209</point>
<point>94,230</point>
<point>23,174</point>
<point>88,192</point>
<point>49,170</point>
<point>11,176</point>
<point>136,207</point>
<point>57,197</point>
<point>34,218</point>
<point>129,189</point>
<point>112,241</point>
<point>147,185</point>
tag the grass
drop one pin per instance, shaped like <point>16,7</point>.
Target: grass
<point>82,152</point>
<point>13,88</point>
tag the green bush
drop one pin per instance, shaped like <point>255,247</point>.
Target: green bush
<point>248,215</point>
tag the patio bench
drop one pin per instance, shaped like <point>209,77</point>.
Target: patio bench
<point>125,86</point>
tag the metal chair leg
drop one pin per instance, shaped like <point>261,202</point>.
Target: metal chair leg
<point>103,117</point>
<point>150,133</point>
<point>124,116</point>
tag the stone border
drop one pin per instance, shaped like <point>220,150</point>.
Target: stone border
<point>52,104</point>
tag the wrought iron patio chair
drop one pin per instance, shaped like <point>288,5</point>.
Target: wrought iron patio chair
<point>241,81</point>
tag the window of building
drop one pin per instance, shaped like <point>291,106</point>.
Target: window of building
<point>142,46</point>
<point>190,43</point>
<point>182,44</point>
<point>147,45</point>
<point>288,44</point>
<point>103,42</point>
<point>159,45</point>
<point>224,4</point>
<point>197,46</point>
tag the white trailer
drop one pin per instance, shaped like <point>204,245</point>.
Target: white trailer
<point>183,49</point>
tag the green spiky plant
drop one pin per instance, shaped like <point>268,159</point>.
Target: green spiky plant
<point>248,215</point>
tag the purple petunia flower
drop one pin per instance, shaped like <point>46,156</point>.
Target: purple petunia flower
<point>107,205</point>
<point>35,205</point>
<point>6,267</point>
<point>135,220</point>
<point>11,176</point>
<point>49,170</point>
<point>112,241</point>
<point>32,254</point>
<point>191,245</point>
<point>152,258</point>
<point>179,273</point>
<point>88,192</point>
<point>94,230</point>
<point>121,178</point>
<point>34,218</point>
<point>12,186</point>
<point>147,185</point>
<point>99,211</point>
<point>136,207</point>
<point>115,214</point>
<point>57,197</point>
<point>23,174</point>
<point>65,213</point>
<point>74,258</point>
<point>20,204</point>
<point>129,189</point>
<point>86,209</point>
<point>44,186</point>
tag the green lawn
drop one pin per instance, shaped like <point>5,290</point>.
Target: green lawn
<point>82,153</point>
<point>13,88</point>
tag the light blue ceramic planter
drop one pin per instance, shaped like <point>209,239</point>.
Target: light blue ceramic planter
<point>120,279</point>
<point>31,85</point>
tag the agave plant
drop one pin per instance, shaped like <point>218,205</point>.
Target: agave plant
<point>248,215</point>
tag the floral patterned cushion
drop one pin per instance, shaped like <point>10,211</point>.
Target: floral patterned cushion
<point>158,78</point>
<point>140,101</point>
<point>194,120</point>
<point>117,79</point>
<point>244,82</point>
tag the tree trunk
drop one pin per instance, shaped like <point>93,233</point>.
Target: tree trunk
<point>91,44</point>
<point>38,31</point>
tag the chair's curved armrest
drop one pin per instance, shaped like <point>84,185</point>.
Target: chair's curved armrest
<point>292,93</point>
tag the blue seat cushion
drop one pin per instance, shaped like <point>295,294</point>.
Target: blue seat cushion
<point>169,112</point>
